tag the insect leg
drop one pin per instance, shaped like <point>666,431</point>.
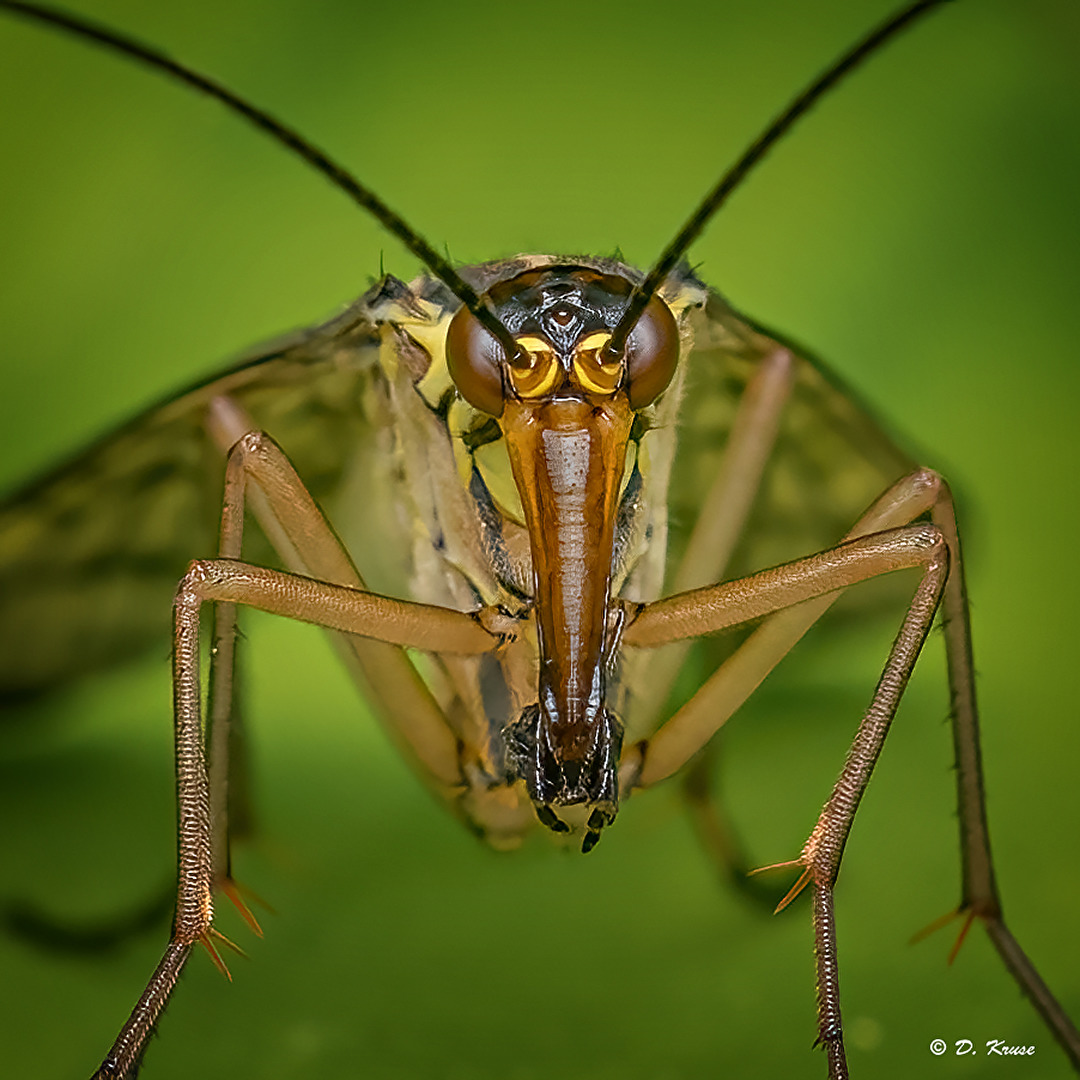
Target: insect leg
<point>814,577</point>
<point>823,851</point>
<point>909,498</point>
<point>306,542</point>
<point>979,896</point>
<point>300,534</point>
<point>337,607</point>
<point>741,674</point>
<point>223,724</point>
<point>194,894</point>
<point>798,593</point>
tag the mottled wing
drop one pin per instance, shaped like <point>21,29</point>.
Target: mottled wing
<point>90,555</point>
<point>831,461</point>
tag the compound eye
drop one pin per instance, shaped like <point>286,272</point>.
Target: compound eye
<point>595,370</point>
<point>652,354</point>
<point>475,359</point>
<point>535,370</point>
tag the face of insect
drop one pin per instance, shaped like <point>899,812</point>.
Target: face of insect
<point>915,233</point>
<point>566,405</point>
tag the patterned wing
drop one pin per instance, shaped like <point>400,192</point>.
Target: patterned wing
<point>90,555</point>
<point>830,462</point>
<point>832,457</point>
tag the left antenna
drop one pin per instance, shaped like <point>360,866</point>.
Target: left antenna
<point>337,174</point>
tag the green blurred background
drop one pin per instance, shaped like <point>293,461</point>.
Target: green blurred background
<point>919,231</point>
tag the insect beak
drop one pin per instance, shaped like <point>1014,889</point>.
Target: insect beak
<point>567,454</point>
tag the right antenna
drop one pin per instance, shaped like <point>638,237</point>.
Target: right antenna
<point>738,172</point>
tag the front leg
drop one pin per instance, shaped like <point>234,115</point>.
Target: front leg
<point>796,592</point>
<point>823,851</point>
<point>373,629</point>
<point>194,894</point>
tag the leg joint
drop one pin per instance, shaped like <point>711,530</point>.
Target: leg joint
<point>195,584</point>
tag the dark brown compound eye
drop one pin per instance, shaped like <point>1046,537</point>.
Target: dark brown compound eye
<point>652,354</point>
<point>475,361</point>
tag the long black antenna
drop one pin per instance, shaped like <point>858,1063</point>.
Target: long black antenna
<point>335,173</point>
<point>753,154</point>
